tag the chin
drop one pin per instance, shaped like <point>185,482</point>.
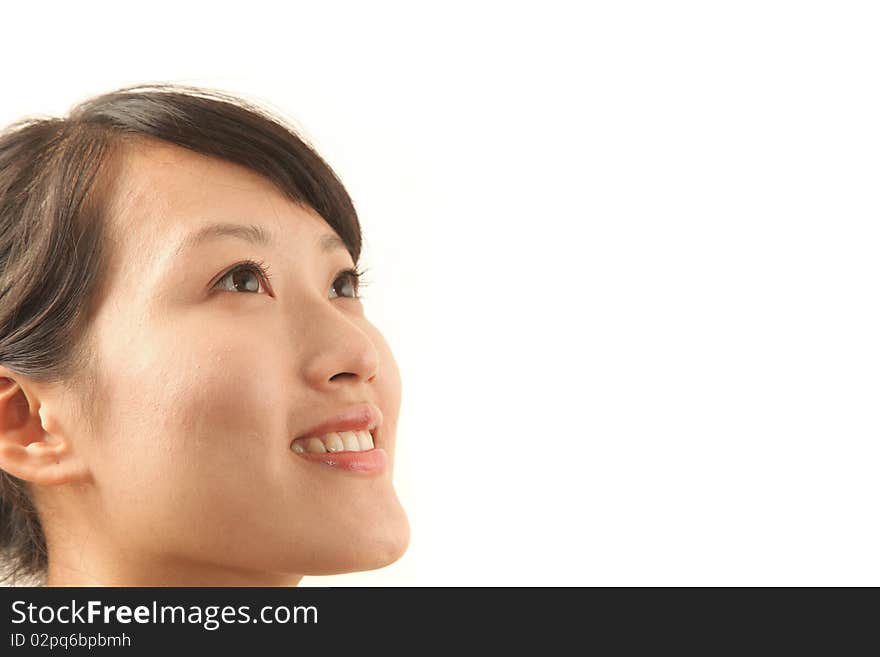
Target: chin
<point>380,546</point>
<point>390,549</point>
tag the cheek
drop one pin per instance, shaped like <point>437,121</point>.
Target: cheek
<point>225,409</point>
<point>190,422</point>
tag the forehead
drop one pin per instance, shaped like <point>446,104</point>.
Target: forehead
<point>162,192</point>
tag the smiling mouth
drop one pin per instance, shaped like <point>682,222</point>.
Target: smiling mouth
<point>334,442</point>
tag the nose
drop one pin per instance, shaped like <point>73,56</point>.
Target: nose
<point>339,351</point>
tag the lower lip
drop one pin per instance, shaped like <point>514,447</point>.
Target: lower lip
<point>373,461</point>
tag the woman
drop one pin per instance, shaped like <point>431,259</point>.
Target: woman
<point>191,394</point>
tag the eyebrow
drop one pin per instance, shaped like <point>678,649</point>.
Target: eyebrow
<point>249,233</point>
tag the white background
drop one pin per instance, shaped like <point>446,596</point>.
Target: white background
<point>625,254</point>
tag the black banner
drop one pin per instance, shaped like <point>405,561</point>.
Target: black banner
<point>153,620</point>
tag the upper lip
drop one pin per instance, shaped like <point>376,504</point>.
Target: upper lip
<point>360,417</point>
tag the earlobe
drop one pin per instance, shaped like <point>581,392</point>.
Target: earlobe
<point>27,451</point>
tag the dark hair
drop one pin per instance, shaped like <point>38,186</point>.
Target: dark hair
<point>55,177</point>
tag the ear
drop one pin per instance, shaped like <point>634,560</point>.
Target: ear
<point>27,450</point>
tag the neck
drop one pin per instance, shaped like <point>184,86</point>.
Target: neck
<point>97,571</point>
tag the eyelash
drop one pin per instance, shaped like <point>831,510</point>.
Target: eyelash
<point>263,270</point>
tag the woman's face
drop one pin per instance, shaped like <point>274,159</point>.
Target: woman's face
<point>205,380</point>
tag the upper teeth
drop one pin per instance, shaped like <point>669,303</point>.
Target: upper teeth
<point>344,441</point>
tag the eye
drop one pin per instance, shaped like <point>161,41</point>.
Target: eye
<point>248,276</point>
<point>347,284</point>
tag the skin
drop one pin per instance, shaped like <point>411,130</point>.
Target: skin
<point>182,474</point>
